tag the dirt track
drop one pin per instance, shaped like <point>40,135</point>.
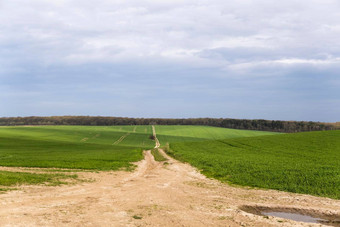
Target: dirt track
<point>156,194</point>
<point>157,144</point>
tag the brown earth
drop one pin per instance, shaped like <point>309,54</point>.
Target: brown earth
<point>156,194</point>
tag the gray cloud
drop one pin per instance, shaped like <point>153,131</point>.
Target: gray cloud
<point>178,51</point>
<point>115,31</point>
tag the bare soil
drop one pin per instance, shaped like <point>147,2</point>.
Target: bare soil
<point>155,194</point>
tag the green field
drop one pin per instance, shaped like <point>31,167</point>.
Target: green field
<point>74,147</point>
<point>306,163</point>
<point>299,162</point>
<point>89,147</point>
<point>94,147</point>
<point>71,147</point>
<point>185,133</point>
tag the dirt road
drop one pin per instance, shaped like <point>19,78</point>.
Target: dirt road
<point>157,145</point>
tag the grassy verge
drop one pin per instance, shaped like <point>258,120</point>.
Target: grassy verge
<point>9,179</point>
<point>158,156</point>
<point>307,163</point>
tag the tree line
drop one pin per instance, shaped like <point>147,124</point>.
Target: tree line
<point>262,125</point>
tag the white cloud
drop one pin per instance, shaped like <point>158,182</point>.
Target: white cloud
<point>280,66</point>
<point>116,31</point>
<point>307,61</point>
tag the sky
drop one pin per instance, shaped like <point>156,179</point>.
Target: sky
<point>253,59</point>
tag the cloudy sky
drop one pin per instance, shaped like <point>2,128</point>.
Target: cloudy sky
<point>190,58</point>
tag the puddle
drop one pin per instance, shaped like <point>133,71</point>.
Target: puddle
<point>295,217</point>
<point>301,215</point>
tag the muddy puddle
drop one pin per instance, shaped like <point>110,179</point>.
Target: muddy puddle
<point>300,215</point>
<point>295,217</point>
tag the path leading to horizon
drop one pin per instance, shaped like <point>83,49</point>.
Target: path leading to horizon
<point>167,193</point>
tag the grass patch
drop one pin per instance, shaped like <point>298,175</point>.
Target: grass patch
<point>137,217</point>
<point>3,190</point>
<point>9,179</point>
<point>157,155</point>
<point>307,163</point>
